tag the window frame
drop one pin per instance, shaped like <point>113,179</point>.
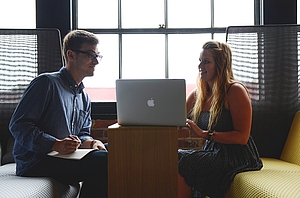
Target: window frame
<point>109,108</point>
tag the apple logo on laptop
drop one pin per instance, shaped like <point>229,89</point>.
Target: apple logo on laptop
<point>150,102</point>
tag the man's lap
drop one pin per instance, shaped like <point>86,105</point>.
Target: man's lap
<point>72,171</point>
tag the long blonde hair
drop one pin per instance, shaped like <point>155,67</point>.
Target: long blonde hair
<point>221,53</point>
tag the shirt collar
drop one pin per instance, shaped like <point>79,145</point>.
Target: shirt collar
<point>72,83</point>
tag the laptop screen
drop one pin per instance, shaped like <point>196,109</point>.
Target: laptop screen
<point>154,102</point>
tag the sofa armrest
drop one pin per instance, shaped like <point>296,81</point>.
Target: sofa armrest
<point>291,147</point>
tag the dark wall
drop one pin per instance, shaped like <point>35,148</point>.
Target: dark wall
<point>54,14</point>
<point>280,12</point>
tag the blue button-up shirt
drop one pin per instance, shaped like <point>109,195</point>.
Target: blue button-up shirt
<point>52,107</point>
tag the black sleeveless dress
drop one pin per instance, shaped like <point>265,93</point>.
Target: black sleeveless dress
<point>210,171</point>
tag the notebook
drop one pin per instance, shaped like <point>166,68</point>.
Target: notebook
<point>151,102</point>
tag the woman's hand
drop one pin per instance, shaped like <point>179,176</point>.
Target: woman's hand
<point>195,129</point>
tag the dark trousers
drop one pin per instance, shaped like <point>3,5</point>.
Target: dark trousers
<point>91,169</point>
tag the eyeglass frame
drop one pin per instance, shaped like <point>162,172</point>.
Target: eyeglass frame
<point>98,57</point>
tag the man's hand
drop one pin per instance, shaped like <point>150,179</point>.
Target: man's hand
<point>67,145</point>
<point>93,144</point>
<point>97,144</point>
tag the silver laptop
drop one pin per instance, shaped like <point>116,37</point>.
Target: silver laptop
<point>151,102</point>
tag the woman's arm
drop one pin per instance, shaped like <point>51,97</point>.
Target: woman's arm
<point>239,105</point>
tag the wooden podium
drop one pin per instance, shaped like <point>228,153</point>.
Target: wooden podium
<point>142,162</point>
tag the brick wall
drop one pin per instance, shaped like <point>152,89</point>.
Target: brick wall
<point>186,140</point>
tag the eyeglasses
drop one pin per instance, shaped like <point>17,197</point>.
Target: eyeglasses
<point>91,55</point>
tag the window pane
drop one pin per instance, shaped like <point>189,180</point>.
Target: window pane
<point>97,14</point>
<point>143,56</point>
<point>233,12</point>
<point>100,87</point>
<point>142,14</point>
<point>220,37</point>
<point>189,14</point>
<point>184,52</point>
<point>18,14</point>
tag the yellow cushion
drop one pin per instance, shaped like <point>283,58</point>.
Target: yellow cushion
<point>291,150</point>
<point>272,164</point>
<point>276,179</point>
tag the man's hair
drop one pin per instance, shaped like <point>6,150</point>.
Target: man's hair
<point>76,38</point>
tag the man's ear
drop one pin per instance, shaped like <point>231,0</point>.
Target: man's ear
<point>70,55</point>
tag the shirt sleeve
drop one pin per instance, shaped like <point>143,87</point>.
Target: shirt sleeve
<point>24,122</point>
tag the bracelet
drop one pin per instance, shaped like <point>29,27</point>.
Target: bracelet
<point>210,135</point>
<point>92,143</point>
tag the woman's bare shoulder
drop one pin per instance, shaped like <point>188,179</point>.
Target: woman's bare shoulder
<point>237,88</point>
<point>238,94</point>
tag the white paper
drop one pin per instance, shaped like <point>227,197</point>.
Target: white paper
<point>77,155</point>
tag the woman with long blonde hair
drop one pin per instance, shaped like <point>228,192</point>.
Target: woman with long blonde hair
<point>220,111</point>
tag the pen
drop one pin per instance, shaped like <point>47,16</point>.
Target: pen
<point>70,136</point>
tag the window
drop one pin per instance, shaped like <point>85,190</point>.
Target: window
<point>154,38</point>
<point>17,14</point>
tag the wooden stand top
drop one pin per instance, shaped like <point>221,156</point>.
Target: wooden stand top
<point>117,126</point>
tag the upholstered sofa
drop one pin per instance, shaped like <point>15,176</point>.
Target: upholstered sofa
<point>16,187</point>
<point>279,178</point>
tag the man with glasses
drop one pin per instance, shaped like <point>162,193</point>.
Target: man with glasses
<point>54,115</point>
